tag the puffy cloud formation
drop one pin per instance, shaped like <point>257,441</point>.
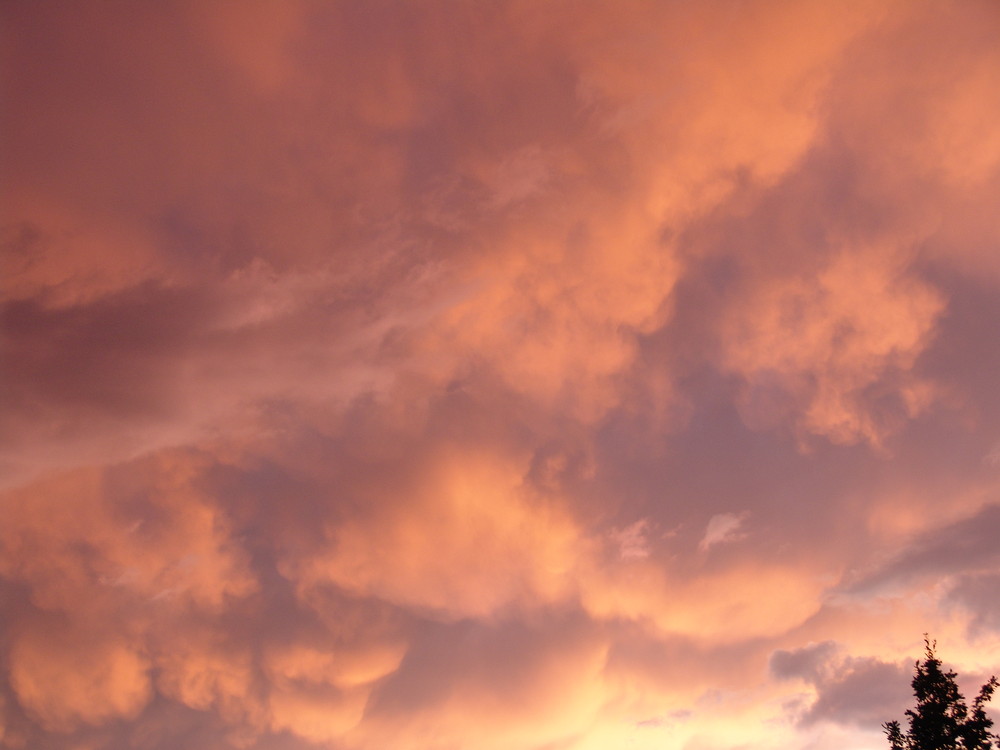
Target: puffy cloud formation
<point>857,690</point>
<point>494,375</point>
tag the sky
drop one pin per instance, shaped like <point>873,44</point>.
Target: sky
<point>495,374</point>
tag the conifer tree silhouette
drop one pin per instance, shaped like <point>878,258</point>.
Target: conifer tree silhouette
<point>941,720</point>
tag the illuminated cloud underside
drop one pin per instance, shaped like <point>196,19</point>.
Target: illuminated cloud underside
<point>514,375</point>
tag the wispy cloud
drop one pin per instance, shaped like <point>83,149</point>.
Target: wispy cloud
<point>723,528</point>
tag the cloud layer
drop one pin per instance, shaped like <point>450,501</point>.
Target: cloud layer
<point>494,375</point>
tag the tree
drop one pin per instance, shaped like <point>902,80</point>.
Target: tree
<point>941,720</point>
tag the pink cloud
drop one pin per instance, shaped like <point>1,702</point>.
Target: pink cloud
<point>357,355</point>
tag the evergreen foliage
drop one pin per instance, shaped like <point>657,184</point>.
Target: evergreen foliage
<point>941,720</point>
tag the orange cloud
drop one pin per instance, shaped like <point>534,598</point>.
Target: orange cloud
<point>199,670</point>
<point>358,358</point>
<point>76,543</point>
<point>831,338</point>
<point>529,684</point>
<point>64,678</point>
<point>469,541</point>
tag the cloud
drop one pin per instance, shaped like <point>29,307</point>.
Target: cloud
<point>938,553</point>
<point>63,679</point>
<point>860,691</point>
<point>356,357</point>
<point>633,540</point>
<point>833,338</point>
<point>722,528</point>
<point>537,683</point>
<point>863,692</point>
<point>993,457</point>
<point>468,542</point>
<point>808,662</point>
<point>976,592</point>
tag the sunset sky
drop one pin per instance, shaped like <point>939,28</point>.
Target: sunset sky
<point>488,375</point>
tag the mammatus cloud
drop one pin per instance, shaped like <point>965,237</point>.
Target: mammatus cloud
<point>465,541</point>
<point>505,375</point>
